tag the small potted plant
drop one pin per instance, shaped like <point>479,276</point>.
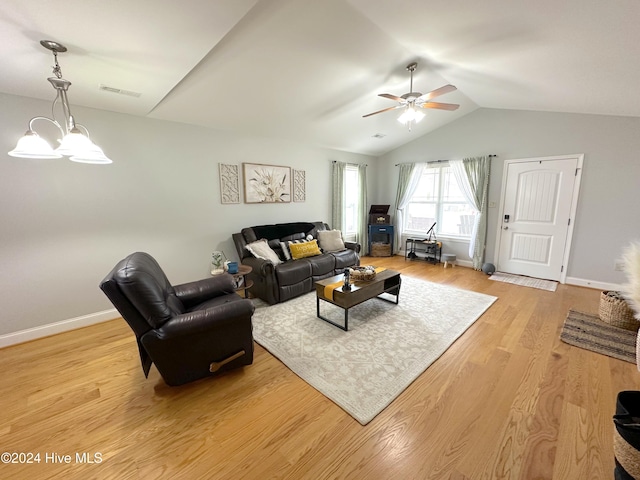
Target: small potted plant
<point>217,263</point>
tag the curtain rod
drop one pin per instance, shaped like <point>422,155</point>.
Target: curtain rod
<point>439,161</point>
<point>347,163</point>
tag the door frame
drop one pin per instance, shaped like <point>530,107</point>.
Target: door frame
<point>572,215</point>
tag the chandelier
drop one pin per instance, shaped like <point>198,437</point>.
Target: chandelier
<point>75,142</point>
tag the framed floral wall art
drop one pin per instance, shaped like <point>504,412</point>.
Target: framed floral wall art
<point>266,183</point>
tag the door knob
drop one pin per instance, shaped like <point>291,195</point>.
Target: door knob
<point>506,228</point>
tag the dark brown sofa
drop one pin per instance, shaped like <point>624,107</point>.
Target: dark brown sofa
<point>278,283</point>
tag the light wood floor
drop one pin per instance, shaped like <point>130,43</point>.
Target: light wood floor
<point>507,401</point>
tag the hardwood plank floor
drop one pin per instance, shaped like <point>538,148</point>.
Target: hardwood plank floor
<point>508,400</point>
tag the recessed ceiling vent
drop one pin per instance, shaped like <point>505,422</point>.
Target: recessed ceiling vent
<point>120,91</point>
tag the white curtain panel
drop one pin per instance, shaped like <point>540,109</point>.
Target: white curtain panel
<point>363,218</point>
<point>408,179</point>
<point>338,200</point>
<point>472,176</point>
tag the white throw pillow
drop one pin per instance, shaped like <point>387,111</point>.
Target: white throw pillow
<point>261,249</point>
<point>331,240</point>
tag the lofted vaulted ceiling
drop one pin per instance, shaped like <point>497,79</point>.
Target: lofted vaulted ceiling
<point>307,70</point>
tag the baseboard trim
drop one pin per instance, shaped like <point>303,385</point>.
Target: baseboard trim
<point>581,282</point>
<point>57,327</point>
<point>461,263</point>
<point>29,334</point>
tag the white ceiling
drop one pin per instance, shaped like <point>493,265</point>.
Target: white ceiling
<point>307,70</point>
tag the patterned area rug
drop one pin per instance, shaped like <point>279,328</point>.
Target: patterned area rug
<point>588,331</point>
<point>525,281</point>
<point>386,348</point>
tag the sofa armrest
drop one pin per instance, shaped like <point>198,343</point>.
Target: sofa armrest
<point>205,320</point>
<point>355,246</point>
<point>261,267</point>
<point>193,293</point>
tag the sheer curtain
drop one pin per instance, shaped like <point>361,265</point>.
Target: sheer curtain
<point>472,175</point>
<point>338,200</point>
<point>338,203</point>
<point>408,179</point>
<point>362,217</point>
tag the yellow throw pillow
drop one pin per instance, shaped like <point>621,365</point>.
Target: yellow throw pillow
<point>303,250</point>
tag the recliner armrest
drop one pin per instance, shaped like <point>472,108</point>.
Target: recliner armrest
<point>193,293</point>
<point>261,267</point>
<point>355,246</point>
<point>204,320</point>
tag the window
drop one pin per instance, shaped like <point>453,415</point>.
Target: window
<point>438,199</point>
<point>351,205</point>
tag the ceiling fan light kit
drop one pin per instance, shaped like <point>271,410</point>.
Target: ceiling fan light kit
<point>410,115</point>
<point>74,144</point>
<point>409,101</point>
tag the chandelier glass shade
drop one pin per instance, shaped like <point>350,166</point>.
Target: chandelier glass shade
<point>75,143</point>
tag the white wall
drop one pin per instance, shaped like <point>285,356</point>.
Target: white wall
<point>607,219</point>
<point>64,225</point>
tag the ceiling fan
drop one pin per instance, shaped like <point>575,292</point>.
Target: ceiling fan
<point>409,101</point>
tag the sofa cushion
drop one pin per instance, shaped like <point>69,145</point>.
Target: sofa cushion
<point>261,249</point>
<point>304,249</point>
<point>322,264</point>
<point>346,258</point>
<point>331,240</point>
<point>290,273</point>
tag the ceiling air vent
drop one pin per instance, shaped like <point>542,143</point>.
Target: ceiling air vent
<point>119,91</point>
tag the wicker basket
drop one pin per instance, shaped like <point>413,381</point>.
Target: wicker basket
<point>380,249</point>
<point>615,311</point>
<point>359,273</point>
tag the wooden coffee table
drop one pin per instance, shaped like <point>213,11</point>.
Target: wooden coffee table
<point>387,281</point>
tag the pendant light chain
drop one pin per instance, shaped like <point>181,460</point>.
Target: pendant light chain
<point>56,69</point>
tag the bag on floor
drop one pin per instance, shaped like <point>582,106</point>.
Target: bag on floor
<point>626,436</point>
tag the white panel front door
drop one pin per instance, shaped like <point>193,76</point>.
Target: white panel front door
<point>535,217</point>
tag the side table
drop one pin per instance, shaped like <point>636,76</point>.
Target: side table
<point>381,234</point>
<point>429,250</point>
<point>240,279</point>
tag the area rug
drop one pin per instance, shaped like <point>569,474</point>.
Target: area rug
<point>589,332</point>
<point>386,348</point>
<point>525,281</point>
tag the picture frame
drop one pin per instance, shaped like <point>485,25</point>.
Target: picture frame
<point>299,186</point>
<point>266,183</point>
<point>229,183</point>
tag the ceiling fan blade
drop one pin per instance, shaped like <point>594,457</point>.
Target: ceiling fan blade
<point>391,97</point>
<point>436,93</point>
<point>440,106</point>
<point>383,110</point>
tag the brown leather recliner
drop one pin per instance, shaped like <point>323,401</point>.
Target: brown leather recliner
<point>188,331</point>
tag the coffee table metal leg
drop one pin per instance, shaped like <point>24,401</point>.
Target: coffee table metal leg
<point>344,327</point>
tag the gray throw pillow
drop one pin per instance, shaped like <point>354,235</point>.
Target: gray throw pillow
<point>331,240</point>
